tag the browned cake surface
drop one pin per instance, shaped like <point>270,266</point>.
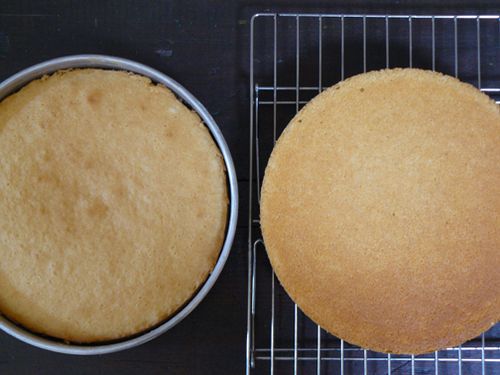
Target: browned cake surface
<point>381,211</point>
<point>113,204</point>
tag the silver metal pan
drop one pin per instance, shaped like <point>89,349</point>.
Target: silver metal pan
<point>20,79</point>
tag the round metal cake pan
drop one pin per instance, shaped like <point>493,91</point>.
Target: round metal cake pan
<point>17,81</point>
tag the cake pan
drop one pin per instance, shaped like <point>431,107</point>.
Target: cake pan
<point>17,81</point>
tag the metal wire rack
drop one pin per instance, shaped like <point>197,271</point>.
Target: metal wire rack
<point>292,58</point>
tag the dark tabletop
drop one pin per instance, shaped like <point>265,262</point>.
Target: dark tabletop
<point>204,46</point>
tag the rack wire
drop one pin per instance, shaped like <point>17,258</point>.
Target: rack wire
<point>292,58</point>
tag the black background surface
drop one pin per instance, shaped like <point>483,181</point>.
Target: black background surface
<point>203,45</point>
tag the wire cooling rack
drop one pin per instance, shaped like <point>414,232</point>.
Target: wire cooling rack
<point>292,58</point>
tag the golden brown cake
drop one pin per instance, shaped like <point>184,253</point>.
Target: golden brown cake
<point>380,211</point>
<point>113,205</point>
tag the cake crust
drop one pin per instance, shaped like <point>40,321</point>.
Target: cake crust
<point>380,210</point>
<point>113,205</point>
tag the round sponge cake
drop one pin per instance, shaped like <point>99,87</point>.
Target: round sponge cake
<point>380,210</point>
<point>113,204</point>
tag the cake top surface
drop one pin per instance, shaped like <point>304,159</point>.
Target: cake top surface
<point>380,210</point>
<point>113,204</point>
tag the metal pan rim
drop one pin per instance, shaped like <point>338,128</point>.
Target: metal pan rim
<point>18,80</point>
